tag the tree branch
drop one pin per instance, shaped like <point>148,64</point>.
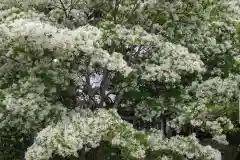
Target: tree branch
<point>103,87</point>
<point>64,8</point>
<point>70,7</point>
<point>117,99</point>
<point>15,60</point>
<point>115,11</point>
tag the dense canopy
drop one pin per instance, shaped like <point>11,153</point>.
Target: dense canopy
<point>118,79</point>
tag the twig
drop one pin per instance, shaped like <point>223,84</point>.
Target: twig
<point>64,9</point>
<point>72,4</point>
<point>14,60</point>
<point>134,9</point>
<point>115,11</point>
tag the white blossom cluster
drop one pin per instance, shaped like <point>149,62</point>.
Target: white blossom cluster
<point>63,42</point>
<point>217,90</point>
<point>171,62</point>
<point>76,131</point>
<point>212,95</point>
<point>198,117</point>
<point>69,135</point>
<point>167,61</point>
<point>184,146</point>
<point>29,105</point>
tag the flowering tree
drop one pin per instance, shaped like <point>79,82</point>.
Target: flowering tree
<point>74,71</point>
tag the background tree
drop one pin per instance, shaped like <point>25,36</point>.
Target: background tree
<point>117,79</point>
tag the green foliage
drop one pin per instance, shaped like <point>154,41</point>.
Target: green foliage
<point>176,61</point>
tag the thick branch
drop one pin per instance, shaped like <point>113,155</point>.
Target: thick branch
<point>103,87</point>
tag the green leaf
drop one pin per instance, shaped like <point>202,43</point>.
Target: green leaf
<point>238,28</point>
<point>211,107</point>
<point>142,138</point>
